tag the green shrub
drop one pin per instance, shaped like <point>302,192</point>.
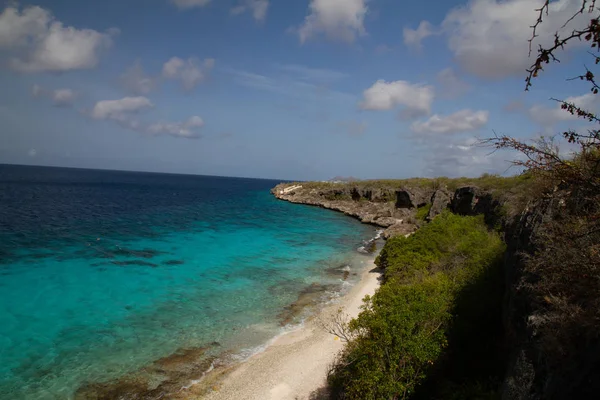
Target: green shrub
<point>405,329</point>
<point>423,211</point>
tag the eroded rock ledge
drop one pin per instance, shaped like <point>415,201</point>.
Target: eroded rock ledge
<point>393,208</point>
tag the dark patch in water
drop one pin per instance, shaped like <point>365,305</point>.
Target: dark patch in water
<point>135,262</point>
<point>337,271</point>
<point>173,262</point>
<point>308,297</point>
<point>40,256</point>
<point>163,379</point>
<point>145,253</point>
<point>285,287</point>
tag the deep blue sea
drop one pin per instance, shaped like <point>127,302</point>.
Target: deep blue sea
<point>102,272</point>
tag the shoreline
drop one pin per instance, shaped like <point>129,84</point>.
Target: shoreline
<point>295,364</point>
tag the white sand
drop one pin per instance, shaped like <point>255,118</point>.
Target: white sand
<point>295,365</point>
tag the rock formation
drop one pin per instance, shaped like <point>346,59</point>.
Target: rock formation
<point>393,208</point>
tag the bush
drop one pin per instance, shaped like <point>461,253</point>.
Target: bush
<point>423,211</point>
<point>404,330</point>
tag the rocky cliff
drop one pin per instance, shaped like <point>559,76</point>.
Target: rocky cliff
<point>551,300</point>
<point>394,208</point>
<point>551,291</point>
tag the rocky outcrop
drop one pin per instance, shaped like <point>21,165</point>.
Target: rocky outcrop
<point>372,205</point>
<point>520,374</point>
<point>471,200</point>
<point>439,202</point>
<point>391,208</point>
<point>376,195</point>
<point>412,197</point>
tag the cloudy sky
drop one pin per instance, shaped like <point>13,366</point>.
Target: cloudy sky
<point>289,89</point>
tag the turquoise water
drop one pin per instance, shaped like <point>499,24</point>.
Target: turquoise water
<point>102,273</point>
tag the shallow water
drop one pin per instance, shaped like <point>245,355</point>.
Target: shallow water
<point>103,273</point>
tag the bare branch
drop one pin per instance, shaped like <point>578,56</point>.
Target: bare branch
<point>540,11</point>
<point>337,324</point>
<point>591,33</point>
<point>581,10</point>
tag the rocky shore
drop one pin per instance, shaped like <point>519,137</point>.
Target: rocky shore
<point>394,208</point>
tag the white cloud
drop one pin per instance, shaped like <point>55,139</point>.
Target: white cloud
<point>547,116</point>
<point>190,72</point>
<point>258,8</point>
<point>37,90</point>
<point>337,19</point>
<point>465,158</point>
<point>123,111</point>
<point>185,4</point>
<point>297,81</point>
<point>415,99</point>
<point>35,41</point>
<point>309,74</point>
<point>186,129</point>
<point>461,121</point>
<point>120,110</point>
<point>414,37</point>
<point>136,81</point>
<point>489,37</point>
<point>171,67</point>
<point>59,97</point>
<point>452,85</point>
<point>63,97</point>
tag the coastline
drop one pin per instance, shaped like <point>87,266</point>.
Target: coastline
<point>294,365</point>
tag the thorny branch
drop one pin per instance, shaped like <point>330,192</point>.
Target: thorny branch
<point>590,33</point>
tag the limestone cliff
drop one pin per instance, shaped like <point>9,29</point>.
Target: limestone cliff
<point>391,207</point>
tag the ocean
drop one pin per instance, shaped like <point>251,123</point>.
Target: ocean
<point>110,276</point>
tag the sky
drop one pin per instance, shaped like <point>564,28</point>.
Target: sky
<point>283,89</point>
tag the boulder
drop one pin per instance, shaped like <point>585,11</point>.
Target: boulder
<point>439,202</point>
<point>398,229</point>
<point>412,198</point>
<point>387,221</point>
<point>471,200</point>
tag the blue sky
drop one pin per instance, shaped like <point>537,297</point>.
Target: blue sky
<point>289,89</point>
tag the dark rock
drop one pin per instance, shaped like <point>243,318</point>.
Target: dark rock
<point>465,199</point>
<point>412,198</point>
<point>470,200</point>
<point>439,202</point>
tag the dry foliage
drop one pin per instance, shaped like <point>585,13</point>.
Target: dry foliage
<point>562,276</point>
<point>336,324</point>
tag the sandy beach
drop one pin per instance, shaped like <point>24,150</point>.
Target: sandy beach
<point>295,365</point>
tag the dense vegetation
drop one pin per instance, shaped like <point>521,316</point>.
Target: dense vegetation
<point>435,330</point>
<point>487,182</point>
<point>437,310</point>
